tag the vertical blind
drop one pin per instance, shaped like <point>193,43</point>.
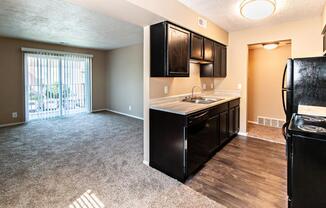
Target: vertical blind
<point>56,83</point>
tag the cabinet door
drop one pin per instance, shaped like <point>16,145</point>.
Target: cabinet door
<point>237,119</point>
<point>197,44</point>
<point>178,51</point>
<point>208,50</point>
<point>223,61</point>
<point>217,60</point>
<point>206,70</point>
<point>224,134</point>
<point>231,122</point>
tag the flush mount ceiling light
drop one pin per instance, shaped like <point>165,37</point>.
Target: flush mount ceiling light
<point>270,46</point>
<point>257,9</point>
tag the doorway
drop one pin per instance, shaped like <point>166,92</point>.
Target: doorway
<point>56,84</point>
<point>266,65</point>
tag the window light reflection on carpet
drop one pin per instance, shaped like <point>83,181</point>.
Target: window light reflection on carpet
<point>87,200</point>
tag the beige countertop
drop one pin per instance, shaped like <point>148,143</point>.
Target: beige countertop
<point>177,106</point>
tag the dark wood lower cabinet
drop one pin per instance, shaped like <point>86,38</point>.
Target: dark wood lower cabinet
<point>223,130</point>
<point>181,144</point>
<point>234,118</point>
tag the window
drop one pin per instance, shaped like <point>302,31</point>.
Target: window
<point>56,84</point>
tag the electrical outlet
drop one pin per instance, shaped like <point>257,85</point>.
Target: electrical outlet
<point>204,86</point>
<point>129,107</point>
<point>212,86</point>
<point>166,89</point>
<point>14,115</point>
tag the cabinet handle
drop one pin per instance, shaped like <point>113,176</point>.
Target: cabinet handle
<point>201,115</point>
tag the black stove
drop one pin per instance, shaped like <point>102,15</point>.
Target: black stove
<point>308,125</point>
<point>306,154</point>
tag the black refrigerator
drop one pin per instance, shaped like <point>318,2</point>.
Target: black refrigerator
<point>304,83</point>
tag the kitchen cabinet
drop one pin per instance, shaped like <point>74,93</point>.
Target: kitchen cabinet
<point>172,47</point>
<point>181,144</point>
<point>234,121</point>
<point>223,128</point>
<point>208,50</point>
<point>207,70</point>
<point>170,50</point>
<point>218,67</point>
<point>197,47</point>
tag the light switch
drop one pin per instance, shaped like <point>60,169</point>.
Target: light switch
<point>14,115</point>
<point>166,89</point>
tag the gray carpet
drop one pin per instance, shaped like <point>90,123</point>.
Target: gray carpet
<point>52,163</point>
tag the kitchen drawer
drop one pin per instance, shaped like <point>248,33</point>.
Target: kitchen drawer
<point>234,103</point>
<point>218,109</point>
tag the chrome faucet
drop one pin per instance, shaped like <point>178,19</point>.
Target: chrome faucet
<point>193,89</point>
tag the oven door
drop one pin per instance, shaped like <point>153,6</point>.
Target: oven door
<point>201,143</point>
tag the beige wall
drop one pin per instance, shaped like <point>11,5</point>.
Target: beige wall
<point>323,18</point>
<point>178,13</point>
<point>124,78</point>
<point>179,85</point>
<point>265,71</point>
<point>306,41</point>
<point>11,76</point>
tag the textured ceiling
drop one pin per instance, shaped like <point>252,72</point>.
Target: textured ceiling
<point>226,13</point>
<point>57,21</point>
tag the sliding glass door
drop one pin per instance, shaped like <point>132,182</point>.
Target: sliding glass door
<point>56,84</point>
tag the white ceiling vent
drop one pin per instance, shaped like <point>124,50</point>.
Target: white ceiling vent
<point>202,22</point>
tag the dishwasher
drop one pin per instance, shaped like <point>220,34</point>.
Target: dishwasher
<point>201,134</point>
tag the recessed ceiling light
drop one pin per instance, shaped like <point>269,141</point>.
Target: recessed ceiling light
<point>257,9</point>
<point>270,46</point>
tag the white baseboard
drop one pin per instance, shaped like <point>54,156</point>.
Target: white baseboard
<point>253,122</point>
<point>99,110</point>
<point>124,114</point>
<point>243,133</point>
<point>146,162</point>
<point>11,124</point>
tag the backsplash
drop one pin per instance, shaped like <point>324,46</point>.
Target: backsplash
<point>182,85</point>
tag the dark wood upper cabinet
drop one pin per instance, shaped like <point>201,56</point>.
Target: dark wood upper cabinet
<point>206,70</point>
<point>197,47</point>
<point>208,50</point>
<point>172,47</point>
<point>218,67</point>
<point>223,61</point>
<point>219,60</point>
<point>170,50</point>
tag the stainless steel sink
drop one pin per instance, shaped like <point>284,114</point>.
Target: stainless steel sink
<point>201,100</point>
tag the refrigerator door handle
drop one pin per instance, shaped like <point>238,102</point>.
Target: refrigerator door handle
<point>284,129</point>
<point>284,90</point>
<point>284,74</point>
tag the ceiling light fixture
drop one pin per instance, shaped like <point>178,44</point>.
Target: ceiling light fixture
<point>257,9</point>
<point>270,46</point>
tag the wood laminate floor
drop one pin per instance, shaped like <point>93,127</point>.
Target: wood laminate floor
<point>267,133</point>
<point>247,172</point>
